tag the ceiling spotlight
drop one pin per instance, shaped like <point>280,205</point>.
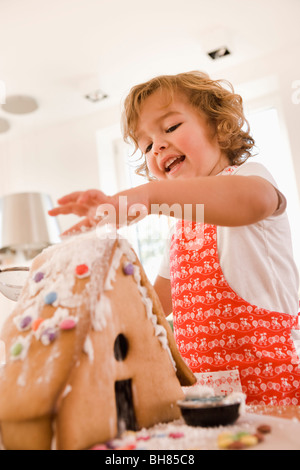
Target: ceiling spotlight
<point>218,53</point>
<point>96,96</point>
<point>20,104</point>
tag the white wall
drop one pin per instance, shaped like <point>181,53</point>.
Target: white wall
<point>56,160</point>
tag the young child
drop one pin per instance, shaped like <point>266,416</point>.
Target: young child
<point>233,291</point>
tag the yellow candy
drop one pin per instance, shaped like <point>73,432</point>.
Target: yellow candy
<point>225,439</point>
<point>249,440</point>
<point>128,433</point>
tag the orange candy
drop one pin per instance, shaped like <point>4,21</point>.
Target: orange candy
<point>37,323</point>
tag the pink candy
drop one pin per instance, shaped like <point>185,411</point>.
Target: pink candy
<point>67,324</point>
<point>176,435</point>
<point>99,447</point>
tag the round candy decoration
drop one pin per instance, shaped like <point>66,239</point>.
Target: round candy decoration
<point>25,322</point>
<point>82,271</point>
<point>39,276</point>
<point>48,336</point>
<point>128,269</point>
<point>50,298</point>
<point>16,349</point>
<point>68,323</point>
<point>37,323</point>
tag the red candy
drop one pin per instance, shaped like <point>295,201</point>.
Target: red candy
<point>127,447</point>
<point>82,270</point>
<point>99,447</point>
<point>176,435</point>
<point>143,438</point>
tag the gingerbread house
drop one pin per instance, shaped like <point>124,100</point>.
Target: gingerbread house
<point>89,352</point>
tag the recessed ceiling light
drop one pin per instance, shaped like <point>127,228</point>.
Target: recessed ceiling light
<point>218,53</point>
<point>96,96</point>
<point>4,126</point>
<point>20,104</point>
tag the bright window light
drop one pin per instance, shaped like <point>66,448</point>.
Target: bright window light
<point>274,153</point>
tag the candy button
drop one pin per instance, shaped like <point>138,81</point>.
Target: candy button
<point>143,438</point>
<point>225,439</point>
<point>25,322</point>
<point>37,323</point>
<point>16,349</point>
<point>82,270</point>
<point>99,447</point>
<point>126,447</point>
<point>236,445</point>
<point>249,440</point>
<point>128,269</point>
<point>50,298</point>
<point>264,428</point>
<point>38,276</point>
<point>176,435</point>
<point>67,324</point>
<point>48,336</point>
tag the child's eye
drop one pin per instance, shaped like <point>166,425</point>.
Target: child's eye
<point>148,148</point>
<point>172,128</point>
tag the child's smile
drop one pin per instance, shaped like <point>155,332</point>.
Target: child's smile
<point>176,139</point>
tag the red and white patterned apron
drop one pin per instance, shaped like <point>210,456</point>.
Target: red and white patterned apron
<point>216,330</point>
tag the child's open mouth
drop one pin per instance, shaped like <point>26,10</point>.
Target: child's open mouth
<point>173,162</point>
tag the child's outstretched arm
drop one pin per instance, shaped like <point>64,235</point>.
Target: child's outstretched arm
<point>228,200</point>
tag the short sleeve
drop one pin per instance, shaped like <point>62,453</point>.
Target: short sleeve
<point>257,169</point>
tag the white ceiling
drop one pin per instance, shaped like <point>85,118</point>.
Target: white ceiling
<point>59,50</point>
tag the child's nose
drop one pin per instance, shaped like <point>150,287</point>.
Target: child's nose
<point>158,147</point>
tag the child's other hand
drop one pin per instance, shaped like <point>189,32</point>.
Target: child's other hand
<point>81,203</point>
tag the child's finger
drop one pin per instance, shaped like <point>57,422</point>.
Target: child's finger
<point>78,228</point>
<point>72,197</point>
<point>92,196</point>
<point>76,209</point>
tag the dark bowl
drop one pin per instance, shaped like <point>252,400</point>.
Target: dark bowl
<point>209,414</point>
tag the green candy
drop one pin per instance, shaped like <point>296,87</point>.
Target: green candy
<point>241,434</point>
<point>16,349</point>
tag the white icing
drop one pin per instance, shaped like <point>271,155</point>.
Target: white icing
<point>199,391</point>
<point>52,322</point>
<point>59,269</point>
<point>88,348</point>
<point>111,275</point>
<point>102,313</point>
<point>67,390</point>
<point>159,330</point>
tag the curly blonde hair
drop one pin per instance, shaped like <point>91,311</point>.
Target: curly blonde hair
<point>222,107</point>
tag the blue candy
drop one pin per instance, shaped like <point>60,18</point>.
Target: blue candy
<point>50,298</point>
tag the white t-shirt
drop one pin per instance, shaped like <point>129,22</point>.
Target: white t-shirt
<point>257,259</point>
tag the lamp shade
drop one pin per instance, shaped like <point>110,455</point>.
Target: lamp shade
<point>25,225</point>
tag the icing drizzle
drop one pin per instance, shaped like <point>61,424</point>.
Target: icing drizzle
<point>88,258</point>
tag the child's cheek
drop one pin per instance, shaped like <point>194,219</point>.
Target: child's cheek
<point>153,168</point>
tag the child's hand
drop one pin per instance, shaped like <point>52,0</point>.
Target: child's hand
<point>99,209</point>
<point>81,203</point>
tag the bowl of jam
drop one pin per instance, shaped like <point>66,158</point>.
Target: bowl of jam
<point>210,411</point>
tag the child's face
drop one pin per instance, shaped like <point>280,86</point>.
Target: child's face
<point>176,139</point>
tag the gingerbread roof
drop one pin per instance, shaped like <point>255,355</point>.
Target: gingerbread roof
<point>64,293</point>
